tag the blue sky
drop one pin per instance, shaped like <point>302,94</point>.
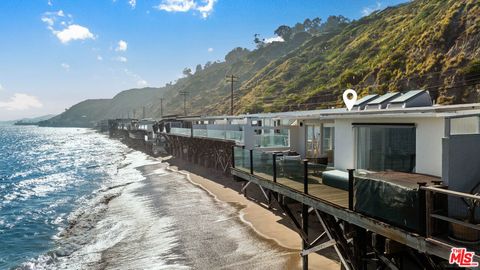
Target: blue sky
<point>55,53</point>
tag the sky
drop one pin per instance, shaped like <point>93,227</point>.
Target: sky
<point>56,53</point>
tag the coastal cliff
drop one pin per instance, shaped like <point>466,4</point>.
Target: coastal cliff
<point>431,45</point>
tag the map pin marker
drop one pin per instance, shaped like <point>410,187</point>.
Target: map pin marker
<point>349,102</point>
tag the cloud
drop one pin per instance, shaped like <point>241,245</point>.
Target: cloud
<point>138,80</point>
<point>210,49</point>
<point>132,3</point>
<point>65,66</point>
<point>99,58</point>
<point>274,39</point>
<point>21,102</point>
<point>204,7</point>
<point>122,46</point>
<point>68,31</point>
<point>368,10</point>
<point>73,32</point>
<point>50,3</point>
<point>121,59</point>
<point>1,87</point>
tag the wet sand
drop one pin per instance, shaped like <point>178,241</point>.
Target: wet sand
<point>269,224</point>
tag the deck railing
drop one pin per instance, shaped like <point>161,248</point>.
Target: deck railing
<point>232,135</point>
<point>452,216</point>
<point>291,171</point>
<point>181,131</point>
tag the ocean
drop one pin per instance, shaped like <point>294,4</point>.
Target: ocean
<point>74,199</point>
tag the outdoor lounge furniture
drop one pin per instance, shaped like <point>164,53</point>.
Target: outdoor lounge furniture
<point>336,179</point>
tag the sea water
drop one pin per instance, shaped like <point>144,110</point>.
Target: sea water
<point>74,199</point>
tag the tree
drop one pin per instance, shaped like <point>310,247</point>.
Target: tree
<point>284,32</point>
<point>298,28</point>
<point>207,65</point>
<point>258,42</point>
<point>187,72</point>
<point>198,68</point>
<point>236,54</point>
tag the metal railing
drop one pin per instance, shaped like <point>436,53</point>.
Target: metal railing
<point>278,167</point>
<point>452,216</point>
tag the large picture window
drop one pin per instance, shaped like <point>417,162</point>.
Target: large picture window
<point>385,147</point>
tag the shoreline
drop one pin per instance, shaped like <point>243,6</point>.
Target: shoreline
<point>267,224</point>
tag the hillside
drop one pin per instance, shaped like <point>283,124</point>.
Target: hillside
<point>88,112</point>
<point>432,45</point>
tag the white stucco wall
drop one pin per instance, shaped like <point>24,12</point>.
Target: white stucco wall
<point>429,134</point>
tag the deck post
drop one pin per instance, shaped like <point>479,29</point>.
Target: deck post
<point>233,156</point>
<point>305,230</point>
<point>422,219</point>
<point>305,176</point>
<point>350,188</point>
<point>274,167</point>
<point>251,161</point>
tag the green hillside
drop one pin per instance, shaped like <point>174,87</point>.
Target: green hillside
<point>432,45</point>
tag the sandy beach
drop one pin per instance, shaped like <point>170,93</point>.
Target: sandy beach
<point>269,224</point>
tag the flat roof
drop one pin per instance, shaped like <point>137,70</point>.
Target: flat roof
<point>429,111</point>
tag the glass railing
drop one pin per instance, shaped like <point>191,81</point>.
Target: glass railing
<point>263,164</point>
<point>232,135</point>
<point>242,158</point>
<point>181,131</point>
<point>269,140</point>
<point>200,133</point>
<point>284,169</point>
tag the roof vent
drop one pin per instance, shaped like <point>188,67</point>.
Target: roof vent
<point>361,103</point>
<point>381,102</point>
<point>414,98</point>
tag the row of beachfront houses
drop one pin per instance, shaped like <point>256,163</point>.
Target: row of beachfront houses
<point>391,132</point>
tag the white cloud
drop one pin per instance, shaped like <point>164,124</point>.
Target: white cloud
<point>138,80</point>
<point>74,32</point>
<point>368,10</point>
<point>1,87</point>
<point>205,7</point>
<point>274,39</point>
<point>20,102</point>
<point>65,66</point>
<point>121,59</point>
<point>210,49</point>
<point>68,31</point>
<point>132,3</point>
<point>99,58</point>
<point>48,21</point>
<point>122,46</point>
<point>50,3</point>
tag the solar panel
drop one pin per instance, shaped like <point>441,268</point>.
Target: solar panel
<point>365,99</point>
<point>407,96</point>
<point>383,98</point>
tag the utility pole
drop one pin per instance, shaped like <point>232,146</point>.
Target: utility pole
<point>143,113</point>
<point>134,113</point>
<point>231,79</point>
<point>184,94</point>
<point>161,107</point>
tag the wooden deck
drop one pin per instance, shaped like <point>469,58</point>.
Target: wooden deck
<point>316,189</point>
<point>340,211</point>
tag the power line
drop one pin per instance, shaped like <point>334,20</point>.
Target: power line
<point>161,107</point>
<point>184,94</point>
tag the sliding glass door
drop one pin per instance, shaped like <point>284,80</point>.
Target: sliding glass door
<point>385,147</point>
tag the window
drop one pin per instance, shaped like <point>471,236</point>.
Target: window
<point>385,147</point>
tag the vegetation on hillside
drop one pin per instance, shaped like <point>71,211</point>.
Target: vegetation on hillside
<point>423,44</point>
